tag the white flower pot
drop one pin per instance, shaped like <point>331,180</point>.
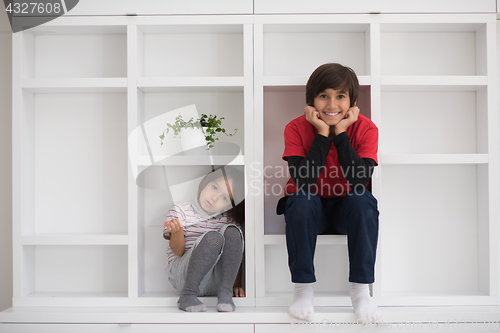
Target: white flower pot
<point>192,138</point>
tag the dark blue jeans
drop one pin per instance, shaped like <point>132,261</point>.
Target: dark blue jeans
<point>307,215</point>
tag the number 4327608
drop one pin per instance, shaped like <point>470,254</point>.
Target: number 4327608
<point>34,8</point>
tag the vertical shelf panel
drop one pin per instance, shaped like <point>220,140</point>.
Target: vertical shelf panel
<point>249,149</point>
<point>258,159</point>
<point>133,191</point>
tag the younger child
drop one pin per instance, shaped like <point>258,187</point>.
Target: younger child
<point>206,243</point>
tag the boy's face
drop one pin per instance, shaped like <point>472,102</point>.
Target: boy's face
<point>332,105</point>
<point>215,197</point>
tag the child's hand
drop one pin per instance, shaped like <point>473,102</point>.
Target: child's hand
<point>312,116</point>
<point>173,225</point>
<point>351,117</point>
<point>238,292</point>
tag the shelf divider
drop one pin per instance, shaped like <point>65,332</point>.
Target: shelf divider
<point>433,159</point>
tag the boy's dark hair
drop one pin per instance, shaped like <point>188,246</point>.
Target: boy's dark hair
<point>334,76</point>
<point>235,173</point>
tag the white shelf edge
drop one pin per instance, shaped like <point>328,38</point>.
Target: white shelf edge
<point>73,239</point>
<point>448,80</point>
<point>54,85</point>
<point>253,315</point>
<point>433,159</point>
<point>322,240</point>
<point>343,19</point>
<point>364,80</point>
<point>214,81</point>
<point>194,160</point>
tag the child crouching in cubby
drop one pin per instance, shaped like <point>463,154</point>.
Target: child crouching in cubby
<point>206,245</point>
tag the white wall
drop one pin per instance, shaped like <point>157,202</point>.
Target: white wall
<point>5,162</point>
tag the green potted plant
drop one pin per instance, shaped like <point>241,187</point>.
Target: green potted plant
<point>195,133</point>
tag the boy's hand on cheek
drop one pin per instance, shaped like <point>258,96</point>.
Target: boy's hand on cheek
<point>312,116</point>
<point>350,118</point>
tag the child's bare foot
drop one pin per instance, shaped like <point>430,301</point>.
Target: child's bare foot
<point>302,306</point>
<point>191,303</point>
<point>365,309</point>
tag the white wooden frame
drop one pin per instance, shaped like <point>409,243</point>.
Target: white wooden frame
<point>252,83</point>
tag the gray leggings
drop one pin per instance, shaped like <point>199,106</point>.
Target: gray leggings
<point>209,285</point>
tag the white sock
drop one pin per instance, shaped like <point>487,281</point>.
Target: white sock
<point>302,306</point>
<point>365,309</point>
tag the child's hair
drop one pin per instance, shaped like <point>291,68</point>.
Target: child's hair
<point>237,213</point>
<point>334,76</point>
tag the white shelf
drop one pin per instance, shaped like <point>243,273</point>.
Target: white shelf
<point>75,85</point>
<point>257,315</point>
<point>433,83</point>
<point>173,84</point>
<point>433,159</point>
<point>72,175</point>
<point>74,239</point>
<point>193,160</point>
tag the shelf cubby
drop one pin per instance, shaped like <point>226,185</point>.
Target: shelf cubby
<point>415,121</point>
<point>292,50</point>
<point>180,51</point>
<point>76,153</point>
<point>430,49</point>
<point>74,271</point>
<point>74,52</point>
<point>282,104</point>
<point>434,217</point>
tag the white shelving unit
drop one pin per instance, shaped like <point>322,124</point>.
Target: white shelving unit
<point>429,84</point>
<point>90,97</point>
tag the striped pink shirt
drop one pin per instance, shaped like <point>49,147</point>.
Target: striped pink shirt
<point>194,223</point>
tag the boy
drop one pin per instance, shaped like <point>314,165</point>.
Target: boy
<point>331,152</point>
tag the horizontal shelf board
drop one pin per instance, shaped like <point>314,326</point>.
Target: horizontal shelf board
<point>74,239</point>
<point>75,85</point>
<point>194,160</point>
<point>432,83</point>
<point>459,299</point>
<point>76,295</point>
<point>438,293</point>
<point>153,84</point>
<point>257,315</point>
<point>171,298</point>
<point>430,27</point>
<point>364,80</point>
<point>150,299</point>
<point>80,27</point>
<point>192,29</point>
<point>457,19</point>
<point>433,159</point>
<point>322,240</point>
<point>314,28</point>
